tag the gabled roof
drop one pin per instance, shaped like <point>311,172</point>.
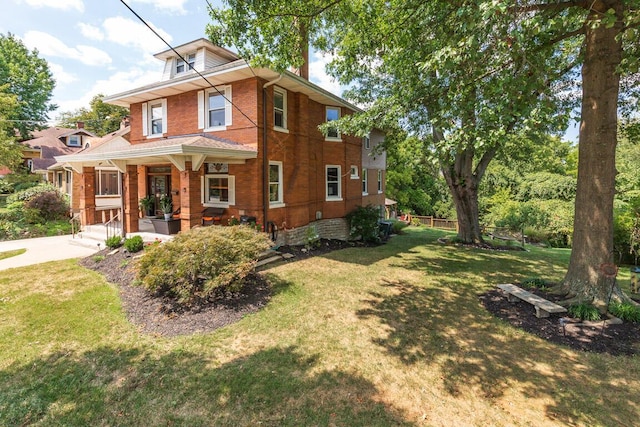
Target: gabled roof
<point>53,137</point>
<point>194,45</point>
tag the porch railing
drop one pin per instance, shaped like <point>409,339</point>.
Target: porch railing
<point>114,225</point>
<point>76,224</point>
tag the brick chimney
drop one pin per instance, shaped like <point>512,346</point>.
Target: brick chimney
<point>79,125</point>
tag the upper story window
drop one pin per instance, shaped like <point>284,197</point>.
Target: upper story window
<point>214,108</point>
<point>74,141</point>
<point>154,118</point>
<point>366,142</point>
<point>354,172</point>
<point>334,184</point>
<point>275,183</point>
<point>182,66</point>
<point>365,183</point>
<point>279,108</point>
<point>379,181</point>
<point>332,114</point>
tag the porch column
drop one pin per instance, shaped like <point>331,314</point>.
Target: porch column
<point>88,195</point>
<point>131,199</point>
<point>190,203</point>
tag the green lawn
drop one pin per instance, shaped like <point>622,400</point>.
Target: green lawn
<point>385,336</point>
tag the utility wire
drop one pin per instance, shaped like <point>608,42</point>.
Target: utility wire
<point>187,63</point>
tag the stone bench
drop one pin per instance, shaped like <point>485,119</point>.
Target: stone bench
<point>543,306</point>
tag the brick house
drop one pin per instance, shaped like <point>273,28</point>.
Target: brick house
<point>215,133</point>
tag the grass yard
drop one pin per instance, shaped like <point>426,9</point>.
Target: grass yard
<point>386,336</point>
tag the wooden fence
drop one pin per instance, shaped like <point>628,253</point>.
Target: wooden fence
<point>429,221</point>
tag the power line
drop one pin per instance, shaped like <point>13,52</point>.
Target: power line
<point>186,62</point>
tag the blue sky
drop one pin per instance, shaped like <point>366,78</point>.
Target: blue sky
<point>99,46</point>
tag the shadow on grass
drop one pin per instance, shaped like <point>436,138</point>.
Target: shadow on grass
<point>107,386</point>
<point>445,325</point>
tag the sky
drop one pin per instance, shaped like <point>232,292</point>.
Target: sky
<point>99,47</point>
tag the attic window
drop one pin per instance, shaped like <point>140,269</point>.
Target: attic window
<point>181,66</point>
<point>74,141</point>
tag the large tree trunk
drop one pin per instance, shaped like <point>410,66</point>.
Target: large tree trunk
<point>593,224</point>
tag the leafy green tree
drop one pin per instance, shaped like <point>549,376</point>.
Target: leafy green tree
<point>30,80</point>
<point>10,152</point>
<point>100,118</point>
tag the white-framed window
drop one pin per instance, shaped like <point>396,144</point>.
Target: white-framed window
<point>354,172</point>
<point>107,183</point>
<point>276,197</point>
<point>182,67</point>
<point>380,181</point>
<point>74,141</point>
<point>332,114</point>
<point>334,182</point>
<point>59,179</point>
<point>219,190</point>
<point>365,182</point>
<point>279,108</point>
<point>366,141</point>
<point>214,108</point>
<point>154,118</point>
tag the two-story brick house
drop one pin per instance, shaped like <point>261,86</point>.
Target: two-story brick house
<point>215,132</point>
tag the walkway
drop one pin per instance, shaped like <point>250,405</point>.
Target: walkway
<point>43,249</point>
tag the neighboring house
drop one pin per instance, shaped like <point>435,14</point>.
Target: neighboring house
<point>242,140</point>
<point>39,152</point>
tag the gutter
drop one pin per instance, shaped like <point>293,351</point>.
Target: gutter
<point>265,157</point>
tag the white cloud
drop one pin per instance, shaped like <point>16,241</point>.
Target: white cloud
<point>127,32</point>
<point>165,6</point>
<point>90,31</point>
<point>58,4</point>
<point>319,76</point>
<point>61,76</point>
<point>49,45</point>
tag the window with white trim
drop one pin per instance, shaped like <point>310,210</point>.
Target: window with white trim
<point>182,67</point>
<point>74,141</point>
<point>154,118</point>
<point>214,108</point>
<point>219,190</point>
<point>279,108</point>
<point>333,182</point>
<point>354,172</point>
<point>107,183</point>
<point>332,114</point>
<point>380,181</point>
<point>365,189</point>
<point>275,183</point>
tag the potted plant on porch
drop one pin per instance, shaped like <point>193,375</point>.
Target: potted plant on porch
<point>146,205</point>
<point>166,205</point>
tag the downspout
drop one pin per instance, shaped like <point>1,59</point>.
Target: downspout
<point>265,157</point>
<point>122,208</point>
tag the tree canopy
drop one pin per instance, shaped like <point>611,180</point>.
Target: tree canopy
<point>30,81</point>
<point>100,118</point>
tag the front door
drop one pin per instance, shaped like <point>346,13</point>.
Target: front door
<point>159,186</point>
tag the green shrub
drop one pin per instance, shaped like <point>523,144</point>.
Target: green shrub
<point>626,311</point>
<point>199,263</point>
<point>133,244</point>
<point>50,204</point>
<point>534,283</point>
<point>416,222</point>
<point>398,226</point>
<point>363,224</point>
<point>312,239</point>
<point>9,230</point>
<point>98,258</point>
<point>113,242</point>
<point>584,311</point>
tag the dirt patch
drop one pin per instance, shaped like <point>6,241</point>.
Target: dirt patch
<point>623,339</point>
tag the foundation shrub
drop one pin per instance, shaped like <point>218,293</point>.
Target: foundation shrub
<point>199,264</point>
<point>113,242</point>
<point>134,244</point>
<point>363,224</point>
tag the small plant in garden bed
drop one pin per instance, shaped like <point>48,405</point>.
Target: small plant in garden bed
<point>535,283</point>
<point>134,244</point>
<point>584,311</point>
<point>98,258</point>
<point>113,242</point>
<point>626,311</point>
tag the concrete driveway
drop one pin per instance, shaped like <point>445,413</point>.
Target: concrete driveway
<point>44,249</point>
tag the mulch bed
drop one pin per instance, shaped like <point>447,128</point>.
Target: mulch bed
<point>598,337</point>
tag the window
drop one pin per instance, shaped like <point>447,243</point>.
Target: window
<point>154,118</point>
<point>379,181</point>
<point>59,179</point>
<point>280,108</point>
<point>219,190</point>
<point>74,141</point>
<point>333,113</point>
<point>366,142</point>
<point>275,183</point>
<point>354,172</point>
<point>107,183</point>
<point>364,182</point>
<point>214,108</point>
<point>334,187</point>
<point>181,67</point>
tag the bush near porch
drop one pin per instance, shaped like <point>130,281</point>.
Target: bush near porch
<point>201,262</point>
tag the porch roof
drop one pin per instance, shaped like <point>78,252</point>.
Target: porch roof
<point>177,150</point>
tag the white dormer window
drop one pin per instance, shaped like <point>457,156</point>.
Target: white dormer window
<point>74,141</point>
<point>154,118</point>
<point>182,67</point>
